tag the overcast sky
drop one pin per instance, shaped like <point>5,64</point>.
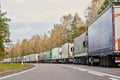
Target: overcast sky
<point>31,17</point>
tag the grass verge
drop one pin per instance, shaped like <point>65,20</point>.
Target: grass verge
<point>11,66</point>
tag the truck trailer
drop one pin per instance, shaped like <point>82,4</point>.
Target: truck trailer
<point>80,49</point>
<point>104,38</point>
<point>42,57</point>
<point>48,56</point>
<point>56,52</point>
<point>67,55</point>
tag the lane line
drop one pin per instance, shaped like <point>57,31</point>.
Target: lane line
<point>112,75</point>
<point>18,73</point>
<point>113,79</point>
<point>94,72</point>
<point>81,69</point>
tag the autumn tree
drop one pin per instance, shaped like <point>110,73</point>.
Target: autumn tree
<point>44,43</point>
<point>77,28</point>
<point>66,21</point>
<point>35,46</point>
<point>105,4</point>
<point>69,28</point>
<point>17,49</point>
<point>92,10</point>
<point>58,35</point>
<point>23,47</point>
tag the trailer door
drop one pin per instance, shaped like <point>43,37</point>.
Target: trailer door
<point>117,28</point>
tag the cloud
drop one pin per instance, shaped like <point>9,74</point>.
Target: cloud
<point>18,1</point>
<point>21,30</point>
<point>44,10</point>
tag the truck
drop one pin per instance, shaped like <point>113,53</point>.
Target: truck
<point>80,49</point>
<point>104,37</point>
<point>41,57</point>
<point>48,56</point>
<point>67,55</point>
<point>33,58</point>
<point>56,54</point>
<point>27,58</point>
<point>6,60</point>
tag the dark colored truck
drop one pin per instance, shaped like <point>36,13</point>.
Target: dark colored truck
<point>80,49</point>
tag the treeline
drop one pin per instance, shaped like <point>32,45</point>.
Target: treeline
<point>69,28</point>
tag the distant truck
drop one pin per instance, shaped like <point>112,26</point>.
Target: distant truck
<point>56,55</point>
<point>48,56</point>
<point>67,55</point>
<point>41,57</point>
<point>33,58</point>
<point>6,60</point>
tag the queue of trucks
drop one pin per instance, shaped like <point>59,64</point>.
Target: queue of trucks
<point>99,45</point>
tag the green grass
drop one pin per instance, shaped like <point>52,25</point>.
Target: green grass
<point>11,66</point>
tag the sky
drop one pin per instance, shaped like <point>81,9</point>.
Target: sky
<point>30,17</point>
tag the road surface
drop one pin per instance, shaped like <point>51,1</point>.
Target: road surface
<point>66,72</point>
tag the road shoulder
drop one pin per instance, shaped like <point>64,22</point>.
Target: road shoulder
<point>10,72</point>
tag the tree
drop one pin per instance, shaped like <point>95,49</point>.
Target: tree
<point>92,10</point>
<point>4,32</point>
<point>35,43</point>
<point>104,6</point>
<point>77,21</point>
<point>59,35</point>
<point>77,28</point>
<point>24,47</point>
<point>66,21</point>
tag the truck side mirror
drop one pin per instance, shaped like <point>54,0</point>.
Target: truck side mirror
<point>60,53</point>
<point>84,44</point>
<point>72,49</point>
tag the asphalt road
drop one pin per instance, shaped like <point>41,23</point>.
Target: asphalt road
<point>66,72</point>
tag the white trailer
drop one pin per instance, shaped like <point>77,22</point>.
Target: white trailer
<point>27,58</point>
<point>42,57</point>
<point>6,60</point>
<point>67,55</point>
<point>55,54</point>
<point>34,58</point>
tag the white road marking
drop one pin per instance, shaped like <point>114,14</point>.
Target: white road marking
<point>81,69</point>
<point>18,73</point>
<point>112,75</point>
<point>94,72</point>
<point>113,79</point>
